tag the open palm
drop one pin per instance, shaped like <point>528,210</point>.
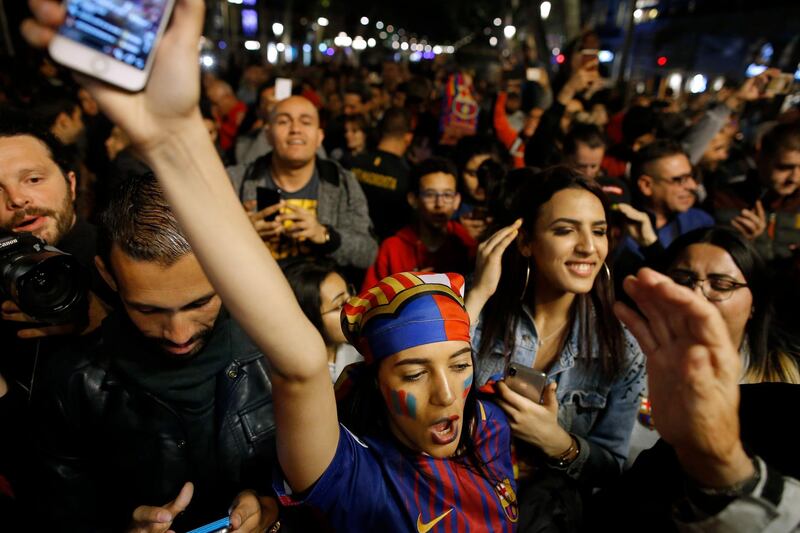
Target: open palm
<point>173,91</point>
<point>693,367</point>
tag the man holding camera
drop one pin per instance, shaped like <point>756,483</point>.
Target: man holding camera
<point>37,193</point>
<point>168,409</point>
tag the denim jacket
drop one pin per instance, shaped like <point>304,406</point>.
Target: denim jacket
<point>598,412</point>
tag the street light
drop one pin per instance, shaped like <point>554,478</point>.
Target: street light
<point>277,29</point>
<point>509,31</point>
<point>322,21</point>
<point>544,9</point>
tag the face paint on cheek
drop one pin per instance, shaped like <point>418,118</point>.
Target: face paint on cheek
<point>402,403</point>
<point>468,385</point>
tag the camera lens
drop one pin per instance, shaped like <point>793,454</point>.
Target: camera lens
<point>512,371</point>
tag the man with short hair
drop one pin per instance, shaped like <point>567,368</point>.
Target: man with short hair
<point>37,191</point>
<point>433,242</point>
<point>384,173</point>
<point>665,189</point>
<point>229,111</point>
<point>64,118</point>
<point>765,206</point>
<point>322,210</point>
<point>584,149</point>
<point>169,391</point>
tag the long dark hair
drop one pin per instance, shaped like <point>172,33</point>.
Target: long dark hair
<point>593,310</point>
<point>770,357</point>
<point>305,277</point>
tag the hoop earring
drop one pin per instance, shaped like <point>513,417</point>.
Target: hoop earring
<point>527,279</point>
<point>607,270</point>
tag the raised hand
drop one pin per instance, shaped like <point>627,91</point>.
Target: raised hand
<point>173,90</point>
<point>488,268</point>
<point>751,222</point>
<point>693,376</point>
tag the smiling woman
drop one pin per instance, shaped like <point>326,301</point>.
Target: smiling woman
<point>551,311</point>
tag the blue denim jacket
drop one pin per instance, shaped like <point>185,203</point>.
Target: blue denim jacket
<point>600,413</point>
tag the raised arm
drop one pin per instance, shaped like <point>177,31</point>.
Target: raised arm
<point>165,126</point>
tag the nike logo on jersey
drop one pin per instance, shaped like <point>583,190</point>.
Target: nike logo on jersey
<point>425,527</point>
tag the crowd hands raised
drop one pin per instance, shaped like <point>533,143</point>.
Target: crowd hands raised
<point>198,382</point>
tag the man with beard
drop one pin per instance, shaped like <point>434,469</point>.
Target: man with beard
<point>168,409</point>
<point>37,192</point>
<point>433,242</point>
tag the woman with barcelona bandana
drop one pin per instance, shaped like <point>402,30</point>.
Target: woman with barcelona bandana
<point>434,458</point>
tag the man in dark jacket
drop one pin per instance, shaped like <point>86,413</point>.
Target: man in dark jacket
<point>169,409</point>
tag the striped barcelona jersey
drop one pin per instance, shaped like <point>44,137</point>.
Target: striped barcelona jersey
<point>371,486</point>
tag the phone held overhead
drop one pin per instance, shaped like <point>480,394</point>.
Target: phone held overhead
<point>112,40</point>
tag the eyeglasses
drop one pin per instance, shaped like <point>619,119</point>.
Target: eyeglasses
<point>678,180</point>
<point>718,288</point>
<point>431,196</point>
<point>351,290</point>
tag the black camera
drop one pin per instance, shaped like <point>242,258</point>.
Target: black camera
<point>47,284</point>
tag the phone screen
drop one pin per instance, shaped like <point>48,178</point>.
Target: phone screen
<point>123,29</point>
<point>283,88</point>
<point>266,197</point>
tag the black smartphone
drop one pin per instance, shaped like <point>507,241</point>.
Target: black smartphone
<point>526,381</point>
<point>266,197</point>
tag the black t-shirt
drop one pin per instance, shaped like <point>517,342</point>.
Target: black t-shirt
<point>384,177</point>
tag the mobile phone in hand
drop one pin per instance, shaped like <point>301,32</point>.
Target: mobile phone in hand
<point>112,40</point>
<point>525,381</point>
<point>220,526</point>
<point>588,55</point>
<point>266,197</point>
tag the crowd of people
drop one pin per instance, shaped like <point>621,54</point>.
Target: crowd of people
<point>303,313</point>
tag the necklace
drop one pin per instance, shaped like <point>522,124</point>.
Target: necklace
<point>542,340</point>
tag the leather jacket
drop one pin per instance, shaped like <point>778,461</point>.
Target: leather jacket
<point>106,446</point>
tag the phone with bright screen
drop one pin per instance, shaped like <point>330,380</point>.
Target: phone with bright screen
<point>113,40</point>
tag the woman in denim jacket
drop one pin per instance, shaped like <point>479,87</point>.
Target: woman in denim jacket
<point>551,310</point>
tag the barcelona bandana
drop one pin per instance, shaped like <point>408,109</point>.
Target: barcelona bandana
<point>406,310</point>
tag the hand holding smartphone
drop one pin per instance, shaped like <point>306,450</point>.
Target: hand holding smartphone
<point>525,381</point>
<point>112,40</point>
<point>267,197</point>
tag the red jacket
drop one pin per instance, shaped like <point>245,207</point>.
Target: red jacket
<point>405,252</point>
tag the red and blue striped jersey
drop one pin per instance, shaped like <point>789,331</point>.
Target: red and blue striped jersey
<point>372,486</point>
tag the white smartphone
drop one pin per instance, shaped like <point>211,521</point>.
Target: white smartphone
<point>283,88</point>
<point>112,40</point>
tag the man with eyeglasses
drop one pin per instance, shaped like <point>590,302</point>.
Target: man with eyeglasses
<point>665,193</point>
<point>433,242</point>
<point>765,206</point>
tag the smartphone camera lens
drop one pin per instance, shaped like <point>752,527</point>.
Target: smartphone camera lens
<point>512,371</point>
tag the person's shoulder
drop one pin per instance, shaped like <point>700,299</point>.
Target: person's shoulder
<point>81,360</point>
<point>491,422</point>
<point>699,217</point>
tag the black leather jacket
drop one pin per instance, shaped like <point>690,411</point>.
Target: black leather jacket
<point>107,446</point>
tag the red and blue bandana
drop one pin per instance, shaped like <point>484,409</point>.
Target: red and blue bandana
<point>406,310</point>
